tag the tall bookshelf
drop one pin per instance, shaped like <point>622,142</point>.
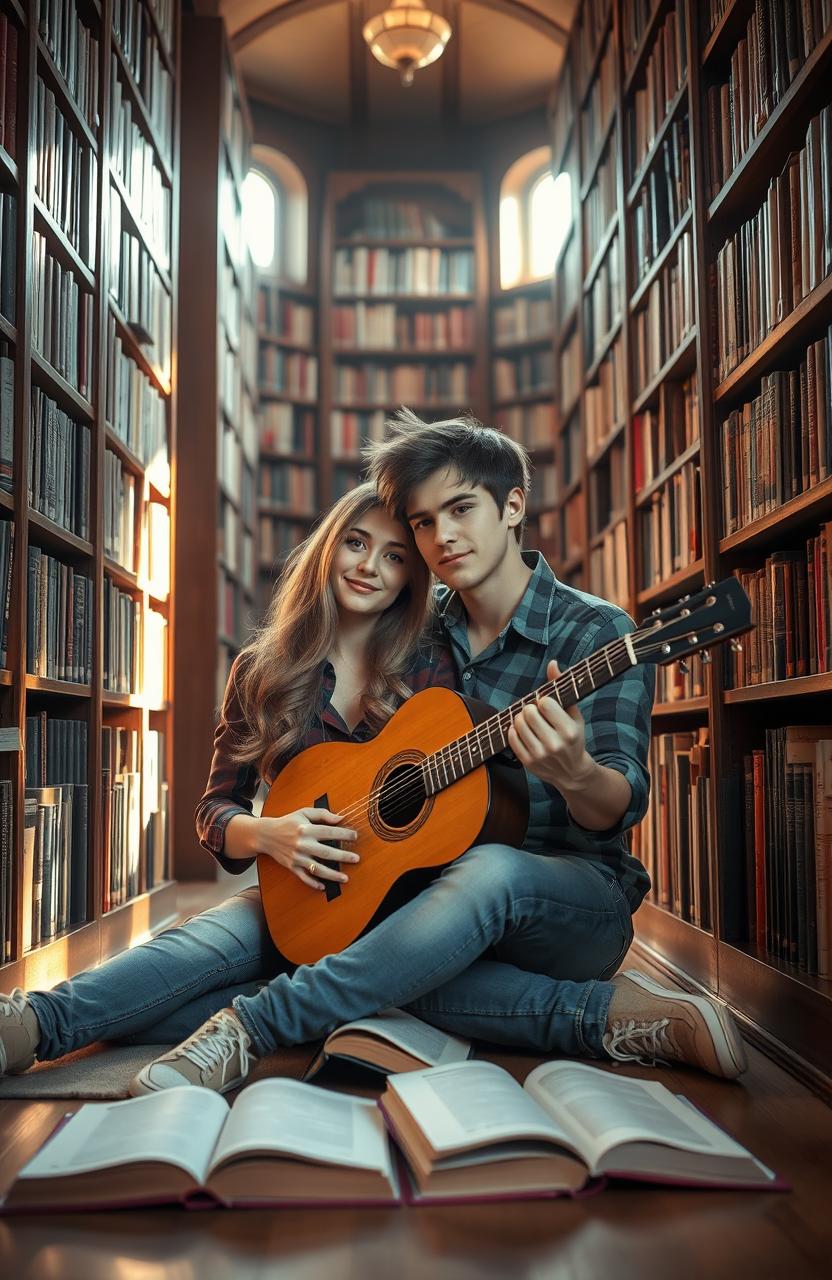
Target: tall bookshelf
<point>89,397</point>
<point>289,436</point>
<point>522,389</point>
<point>404,266</point>
<point>215,554</point>
<point>693,169</point>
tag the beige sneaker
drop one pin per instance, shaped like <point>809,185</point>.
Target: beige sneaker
<point>217,1056</point>
<point>648,1023</point>
<point>19,1033</point>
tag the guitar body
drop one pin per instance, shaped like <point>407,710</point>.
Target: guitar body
<point>400,830</point>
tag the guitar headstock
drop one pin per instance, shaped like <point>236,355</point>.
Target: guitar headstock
<point>717,612</point>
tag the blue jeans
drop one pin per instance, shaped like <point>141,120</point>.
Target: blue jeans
<point>506,946</point>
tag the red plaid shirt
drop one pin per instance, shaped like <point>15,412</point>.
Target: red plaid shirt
<point>231,787</point>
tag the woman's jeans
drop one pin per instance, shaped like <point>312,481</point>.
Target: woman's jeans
<point>506,946</point>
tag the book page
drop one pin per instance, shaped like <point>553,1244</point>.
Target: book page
<point>600,1111</point>
<point>467,1104</point>
<point>401,1028</point>
<point>177,1126</point>
<point>290,1118</point>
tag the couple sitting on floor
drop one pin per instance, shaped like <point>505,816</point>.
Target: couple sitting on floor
<point>519,947</point>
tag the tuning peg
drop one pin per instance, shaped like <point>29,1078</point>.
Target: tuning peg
<point>705,657</point>
<point>683,667</point>
<point>736,646</point>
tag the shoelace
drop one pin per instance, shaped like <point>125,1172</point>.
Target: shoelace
<point>639,1041</point>
<point>215,1047</point>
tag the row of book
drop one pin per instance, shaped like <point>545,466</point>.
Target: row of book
<point>230,304</point>
<point>74,50</point>
<point>519,319</point>
<point>62,318</point>
<point>6,555</point>
<point>598,106</point>
<point>133,30</point>
<point>380,218</point>
<point>398,383</point>
<point>545,487</point>
<point>154,551</point>
<point>661,325</point>
<point>676,840</point>
<point>6,419</point>
<point>600,203</point>
<point>235,547</point>
<point>138,290</point>
<point>289,485</point>
<point>533,371</point>
<point>571,373</point>
<point>134,161</point>
<point>235,467</point>
<point>135,409</point>
<point>59,465</point>
<point>572,532</point>
<point>791,234</point>
<point>8,903</point>
<point>791,600</point>
<point>670,525</point>
<point>8,256</point>
<point>56,821</point>
<point>134,802</point>
<point>382,324</point>
<point>277,537</point>
<point>230,383</point>
<point>9,44</point>
<point>532,425</point>
<point>665,72</point>
<point>119,512</point>
<point>779,444</point>
<point>421,272</point>
<point>65,172</point>
<point>663,198</point>
<point>675,683</point>
<point>778,39</point>
<point>602,305</point>
<point>608,489</point>
<point>787,828</point>
<point>285,317</point>
<point>568,270</point>
<point>350,431</point>
<point>59,622</point>
<point>608,565</point>
<point>571,450</point>
<point>635,17</point>
<point>289,372</point>
<point>286,428</point>
<point>122,639</point>
<point>229,603</point>
<point>604,400</point>
<point>662,435</point>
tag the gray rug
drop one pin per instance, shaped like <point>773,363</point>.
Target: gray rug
<point>99,1071</point>
<point>105,1070</point>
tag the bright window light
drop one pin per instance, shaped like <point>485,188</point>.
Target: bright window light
<point>511,242</point>
<point>550,216</point>
<point>259,216</point>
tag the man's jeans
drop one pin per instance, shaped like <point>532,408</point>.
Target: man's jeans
<point>506,946</point>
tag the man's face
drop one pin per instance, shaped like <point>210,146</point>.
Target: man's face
<point>459,532</point>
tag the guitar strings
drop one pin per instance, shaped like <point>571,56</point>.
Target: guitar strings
<point>413,784</point>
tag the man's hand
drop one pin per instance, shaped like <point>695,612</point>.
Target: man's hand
<point>550,742</point>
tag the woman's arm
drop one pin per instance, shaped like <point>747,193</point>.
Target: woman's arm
<point>230,790</point>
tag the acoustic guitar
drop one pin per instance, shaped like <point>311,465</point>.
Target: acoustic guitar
<point>433,783</point>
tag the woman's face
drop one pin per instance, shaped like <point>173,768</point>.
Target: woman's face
<point>372,564</point>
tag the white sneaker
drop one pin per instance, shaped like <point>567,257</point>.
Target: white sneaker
<point>217,1056</point>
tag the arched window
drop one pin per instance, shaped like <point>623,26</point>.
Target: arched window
<point>535,216</point>
<point>276,215</point>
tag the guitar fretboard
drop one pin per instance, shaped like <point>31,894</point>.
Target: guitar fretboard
<point>481,743</point>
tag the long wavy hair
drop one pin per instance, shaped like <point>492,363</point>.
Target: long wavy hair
<point>278,674</point>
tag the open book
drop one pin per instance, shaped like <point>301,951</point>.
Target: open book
<point>470,1131</point>
<point>393,1040</point>
<point>282,1142</point>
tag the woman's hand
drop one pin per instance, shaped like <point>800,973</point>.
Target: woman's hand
<point>295,841</point>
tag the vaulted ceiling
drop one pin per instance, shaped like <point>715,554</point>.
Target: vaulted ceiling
<point>308,57</point>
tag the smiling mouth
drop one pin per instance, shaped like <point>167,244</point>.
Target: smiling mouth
<point>454,559</point>
<point>361,586</point>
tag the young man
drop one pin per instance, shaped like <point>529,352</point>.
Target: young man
<point>517,946</point>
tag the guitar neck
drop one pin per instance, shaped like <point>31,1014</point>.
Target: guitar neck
<point>488,738</point>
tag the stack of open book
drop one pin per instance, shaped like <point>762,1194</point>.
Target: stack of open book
<point>463,1130</point>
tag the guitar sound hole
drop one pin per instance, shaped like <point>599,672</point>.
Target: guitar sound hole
<point>402,796</point>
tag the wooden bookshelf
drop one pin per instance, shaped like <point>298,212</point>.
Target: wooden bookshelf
<point>787,1010</point>
<point>216,525</point>
<point>84,935</point>
<point>400,252</point>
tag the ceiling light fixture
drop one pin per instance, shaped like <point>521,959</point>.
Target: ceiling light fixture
<point>407,36</point>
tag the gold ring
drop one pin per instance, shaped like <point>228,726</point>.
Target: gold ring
<point>311,868</point>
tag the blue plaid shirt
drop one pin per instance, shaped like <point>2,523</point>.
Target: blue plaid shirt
<point>556,621</point>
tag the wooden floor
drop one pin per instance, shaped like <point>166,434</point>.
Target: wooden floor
<point>624,1232</point>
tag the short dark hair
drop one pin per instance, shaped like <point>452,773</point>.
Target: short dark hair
<point>415,450</point>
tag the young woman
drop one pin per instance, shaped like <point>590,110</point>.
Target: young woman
<point>343,645</point>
